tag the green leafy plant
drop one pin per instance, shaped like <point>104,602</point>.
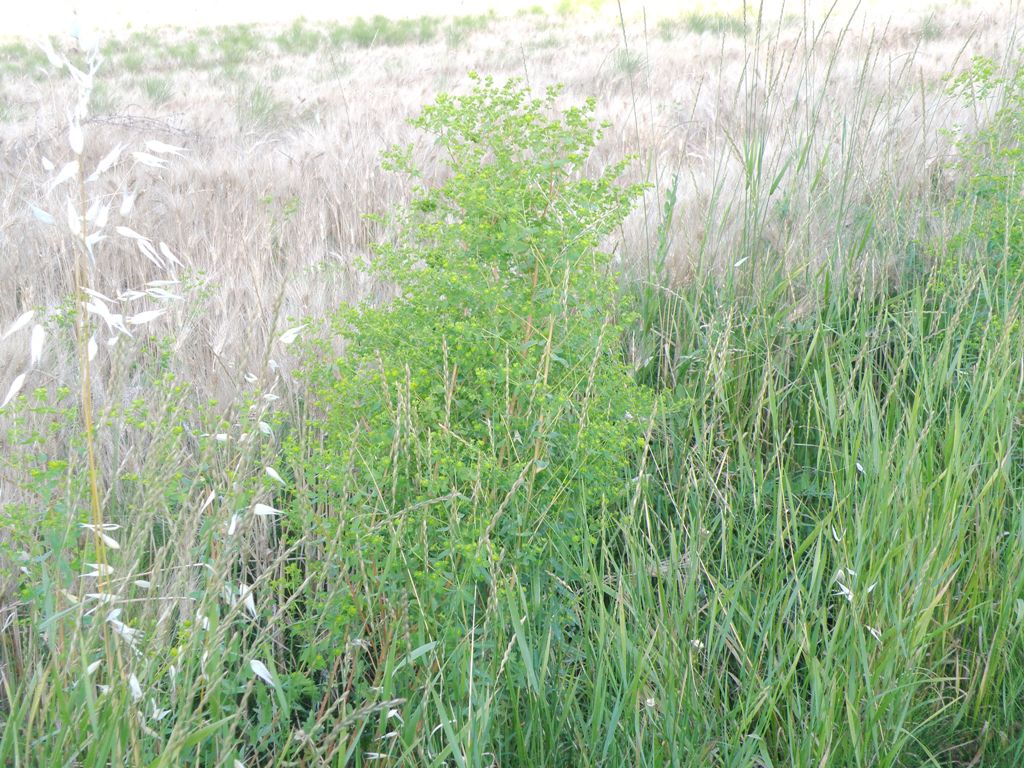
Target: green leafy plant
<point>483,423</point>
<point>983,260</point>
<point>993,161</point>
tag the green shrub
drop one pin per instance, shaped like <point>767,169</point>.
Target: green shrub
<point>481,426</point>
<point>992,159</point>
<point>982,263</point>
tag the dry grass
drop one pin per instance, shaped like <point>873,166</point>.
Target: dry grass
<point>782,141</point>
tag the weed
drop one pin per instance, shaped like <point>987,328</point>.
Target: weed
<point>112,47</point>
<point>714,23</point>
<point>381,30</point>
<point>543,43</point>
<point>701,23</point>
<point>235,45</point>
<point>132,61</point>
<point>258,108</point>
<point>461,27</point>
<point>628,63</point>
<point>19,57</point>
<point>572,7</point>
<point>158,90</point>
<point>930,28</point>
<point>185,54</point>
<point>299,39</point>
<point>103,100</point>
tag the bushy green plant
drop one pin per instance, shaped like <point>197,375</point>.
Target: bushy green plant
<point>992,161</point>
<point>483,421</point>
<point>975,283</point>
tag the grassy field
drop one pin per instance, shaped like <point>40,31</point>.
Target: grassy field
<point>661,405</point>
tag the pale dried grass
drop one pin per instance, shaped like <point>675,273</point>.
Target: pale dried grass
<point>861,101</point>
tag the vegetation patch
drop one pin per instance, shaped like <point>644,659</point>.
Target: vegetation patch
<point>702,23</point>
<point>520,505</point>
